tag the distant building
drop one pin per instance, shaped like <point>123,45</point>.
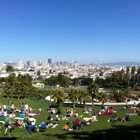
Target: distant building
<point>38,84</point>
<point>49,61</point>
<point>19,63</point>
<point>29,63</point>
<point>100,65</point>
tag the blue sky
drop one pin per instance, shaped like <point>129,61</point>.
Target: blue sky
<point>70,30</point>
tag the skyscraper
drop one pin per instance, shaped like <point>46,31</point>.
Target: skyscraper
<point>19,63</point>
<point>99,63</point>
<point>49,61</point>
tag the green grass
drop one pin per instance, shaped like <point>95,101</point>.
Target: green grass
<point>101,130</point>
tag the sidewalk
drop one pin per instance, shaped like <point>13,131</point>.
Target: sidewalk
<point>107,103</point>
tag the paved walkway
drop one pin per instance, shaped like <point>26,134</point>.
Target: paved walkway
<point>107,103</point>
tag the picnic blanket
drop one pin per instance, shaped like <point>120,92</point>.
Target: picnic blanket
<point>38,115</point>
<point>87,119</point>
<point>132,114</point>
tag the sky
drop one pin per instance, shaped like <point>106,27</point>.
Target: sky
<point>70,30</point>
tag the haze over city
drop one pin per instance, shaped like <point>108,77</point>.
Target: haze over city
<point>70,30</point>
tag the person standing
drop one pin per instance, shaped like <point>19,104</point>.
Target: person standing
<point>27,124</point>
<point>6,124</point>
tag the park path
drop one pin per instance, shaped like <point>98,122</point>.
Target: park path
<point>134,102</point>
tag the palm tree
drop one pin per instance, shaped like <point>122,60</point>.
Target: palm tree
<point>73,96</point>
<point>58,96</point>
<point>102,97</point>
<point>85,97</point>
<point>93,90</point>
<point>80,95</point>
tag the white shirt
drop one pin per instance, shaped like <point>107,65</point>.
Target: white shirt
<point>33,121</point>
<point>94,117</point>
<point>26,106</point>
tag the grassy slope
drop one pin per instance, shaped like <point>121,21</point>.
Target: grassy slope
<point>100,130</point>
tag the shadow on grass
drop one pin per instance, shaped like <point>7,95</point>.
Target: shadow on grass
<point>120,132</point>
<point>116,133</point>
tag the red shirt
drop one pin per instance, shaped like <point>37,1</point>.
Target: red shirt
<point>78,121</point>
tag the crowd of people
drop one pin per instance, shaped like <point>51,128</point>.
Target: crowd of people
<point>23,117</point>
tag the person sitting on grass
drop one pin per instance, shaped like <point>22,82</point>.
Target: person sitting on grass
<point>39,110</point>
<point>43,125</point>
<point>112,119</point>
<point>18,123</point>
<point>74,127</point>
<point>85,123</point>
<point>76,114</point>
<point>127,118</point>
<point>66,127</point>
<point>123,119</point>
<point>137,110</point>
<point>78,121</point>
<point>12,115</point>
<point>94,117</point>
<point>57,118</point>
<point>50,124</point>
<point>49,117</point>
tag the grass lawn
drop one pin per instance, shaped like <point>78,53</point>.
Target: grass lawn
<point>100,130</point>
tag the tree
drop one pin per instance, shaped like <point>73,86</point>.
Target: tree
<point>19,89</point>
<point>80,96</point>
<point>133,76</point>
<point>76,81</point>
<point>9,69</point>
<point>73,96</point>
<point>11,80</point>
<point>85,97</point>
<point>93,91</point>
<point>63,80</point>
<point>58,96</point>
<point>33,91</point>
<point>118,96</point>
<point>102,97</point>
<point>27,80</point>
<point>52,81</point>
<point>128,76</point>
<point>8,89</point>
<point>41,93</point>
<point>87,81</point>
<point>138,75</point>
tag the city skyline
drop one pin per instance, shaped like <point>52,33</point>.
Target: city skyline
<point>84,31</point>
